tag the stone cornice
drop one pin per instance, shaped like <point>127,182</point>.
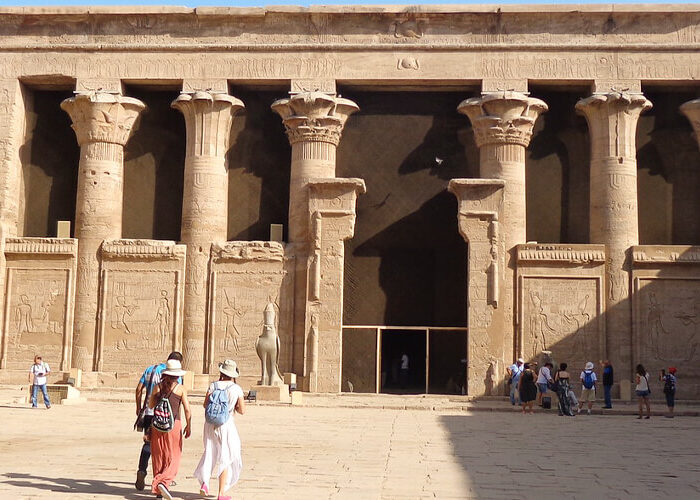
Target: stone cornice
<point>268,251</point>
<point>50,246</point>
<point>575,254</point>
<point>569,27</point>
<point>142,249</point>
<point>666,254</point>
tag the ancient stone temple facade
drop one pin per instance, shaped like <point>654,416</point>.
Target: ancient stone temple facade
<point>227,165</point>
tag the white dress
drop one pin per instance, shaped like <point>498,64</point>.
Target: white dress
<point>222,445</point>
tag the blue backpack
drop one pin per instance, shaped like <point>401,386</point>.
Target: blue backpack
<point>216,412</point>
<point>588,379</point>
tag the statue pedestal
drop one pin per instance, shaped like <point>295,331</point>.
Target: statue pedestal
<point>279,393</point>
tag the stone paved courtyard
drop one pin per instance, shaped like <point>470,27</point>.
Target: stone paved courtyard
<point>90,451</point>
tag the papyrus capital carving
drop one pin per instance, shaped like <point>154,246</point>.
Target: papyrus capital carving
<point>691,110</point>
<point>612,119</point>
<point>208,117</point>
<point>102,117</point>
<point>314,116</point>
<point>502,118</point>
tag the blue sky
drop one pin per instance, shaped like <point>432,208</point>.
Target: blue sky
<point>262,3</point>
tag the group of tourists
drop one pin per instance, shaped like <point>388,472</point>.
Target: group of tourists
<point>530,387</point>
<point>159,413</point>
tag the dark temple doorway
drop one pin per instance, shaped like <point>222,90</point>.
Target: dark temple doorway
<point>395,345</point>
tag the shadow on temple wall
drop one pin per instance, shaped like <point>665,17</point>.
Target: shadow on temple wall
<point>420,266</point>
<point>50,157</point>
<point>259,169</point>
<point>154,162</point>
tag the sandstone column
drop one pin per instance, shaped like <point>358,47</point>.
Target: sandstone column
<point>208,118</point>
<point>314,123</point>
<point>502,124</point>
<point>102,124</point>
<point>612,121</point>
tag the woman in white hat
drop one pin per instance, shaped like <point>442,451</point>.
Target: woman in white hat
<point>166,435</point>
<point>222,445</point>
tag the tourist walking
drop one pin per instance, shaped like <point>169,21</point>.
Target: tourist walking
<point>643,390</point>
<point>37,376</point>
<point>669,380</point>
<point>514,372</point>
<point>562,380</point>
<point>527,389</point>
<point>166,428</point>
<point>222,445</point>
<point>588,383</point>
<point>544,378</point>
<point>144,414</point>
<point>608,381</point>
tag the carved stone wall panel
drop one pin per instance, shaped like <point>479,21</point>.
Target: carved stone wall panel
<point>562,315</point>
<point>245,277</point>
<point>480,204</point>
<point>141,303</point>
<point>561,302</point>
<point>331,216</point>
<point>39,298</point>
<point>12,122</point>
<point>666,312</point>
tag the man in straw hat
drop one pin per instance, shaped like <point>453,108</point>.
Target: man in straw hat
<point>144,415</point>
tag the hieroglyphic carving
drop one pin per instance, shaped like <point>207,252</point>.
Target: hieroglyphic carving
<point>407,63</point>
<point>668,319</point>
<point>247,276</point>
<point>38,308</point>
<point>140,302</point>
<point>560,315</point>
<point>480,203</point>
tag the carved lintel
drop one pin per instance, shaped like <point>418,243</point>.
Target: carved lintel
<point>53,246</point>
<point>92,85</point>
<point>142,249</point>
<point>324,85</point>
<point>573,254</point>
<point>215,86</point>
<point>665,254</point>
<point>267,251</point>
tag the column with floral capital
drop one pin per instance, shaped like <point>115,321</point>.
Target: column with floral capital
<point>102,123</point>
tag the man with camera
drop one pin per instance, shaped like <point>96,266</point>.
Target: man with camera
<point>39,371</point>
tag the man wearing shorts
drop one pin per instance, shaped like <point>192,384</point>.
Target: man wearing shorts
<point>544,378</point>
<point>588,381</point>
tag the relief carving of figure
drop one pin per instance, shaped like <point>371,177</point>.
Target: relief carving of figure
<point>539,325</point>
<point>119,313</point>
<point>655,321</point>
<point>231,332</point>
<point>268,347</point>
<point>163,319</point>
<point>23,315</point>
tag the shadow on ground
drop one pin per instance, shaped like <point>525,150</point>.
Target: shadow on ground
<point>117,489</point>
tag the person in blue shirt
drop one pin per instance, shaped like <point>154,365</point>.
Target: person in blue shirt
<point>607,383</point>
<point>514,372</point>
<point>148,381</point>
